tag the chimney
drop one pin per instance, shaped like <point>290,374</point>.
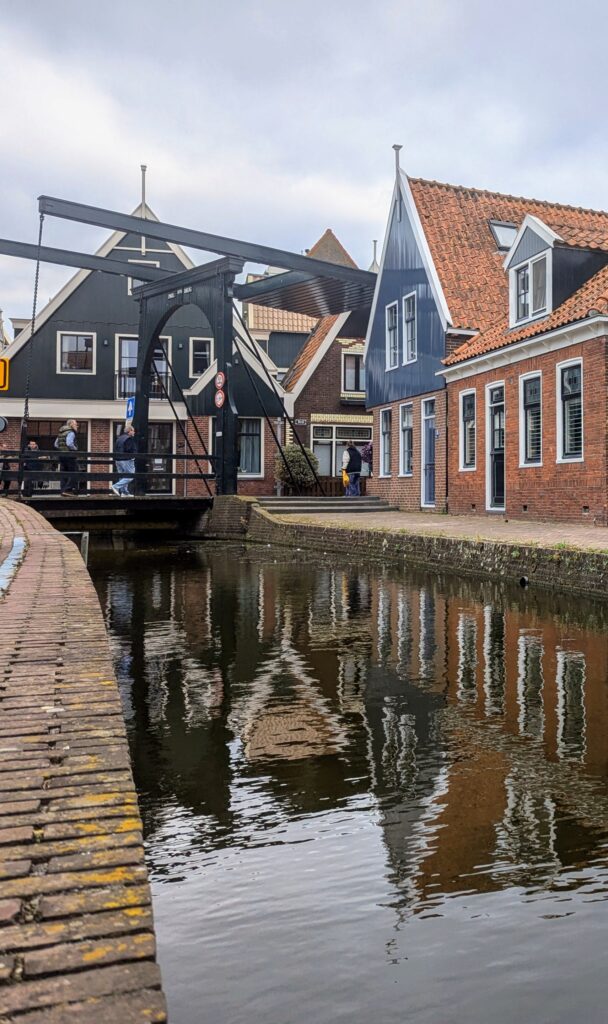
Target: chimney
<point>373,267</point>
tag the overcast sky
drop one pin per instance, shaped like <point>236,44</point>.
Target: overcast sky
<point>271,121</point>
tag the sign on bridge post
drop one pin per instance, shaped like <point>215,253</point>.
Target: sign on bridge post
<point>4,374</point>
<point>130,410</point>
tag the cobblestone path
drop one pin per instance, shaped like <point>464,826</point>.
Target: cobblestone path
<point>76,931</point>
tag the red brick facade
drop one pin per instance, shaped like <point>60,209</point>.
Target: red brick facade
<point>398,489</point>
<point>553,489</point>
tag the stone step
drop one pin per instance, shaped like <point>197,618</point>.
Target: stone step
<point>349,507</point>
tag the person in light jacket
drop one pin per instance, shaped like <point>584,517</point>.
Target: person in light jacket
<point>351,462</point>
<point>67,446</point>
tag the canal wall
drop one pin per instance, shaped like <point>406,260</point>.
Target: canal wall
<point>76,930</point>
<point>571,570</point>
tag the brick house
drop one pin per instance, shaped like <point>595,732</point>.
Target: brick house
<point>486,355</point>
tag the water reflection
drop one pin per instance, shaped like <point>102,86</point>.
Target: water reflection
<point>329,757</point>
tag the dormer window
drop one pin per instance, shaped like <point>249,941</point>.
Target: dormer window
<point>504,234</point>
<point>530,290</point>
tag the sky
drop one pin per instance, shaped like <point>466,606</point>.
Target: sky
<point>271,121</point>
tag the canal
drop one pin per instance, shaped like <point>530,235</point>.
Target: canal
<point>368,794</point>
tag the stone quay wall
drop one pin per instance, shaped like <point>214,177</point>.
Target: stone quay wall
<point>76,930</point>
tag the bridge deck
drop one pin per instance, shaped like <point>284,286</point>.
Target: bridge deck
<point>76,932</point>
<point>105,511</point>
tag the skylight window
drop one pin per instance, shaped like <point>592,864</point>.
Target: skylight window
<point>504,234</point>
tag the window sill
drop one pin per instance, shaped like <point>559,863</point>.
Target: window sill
<point>405,476</point>
<point>76,373</point>
<point>530,465</point>
<point>530,320</point>
<point>387,369</point>
<point>565,460</point>
<point>408,362</point>
<point>467,469</point>
<point>385,476</point>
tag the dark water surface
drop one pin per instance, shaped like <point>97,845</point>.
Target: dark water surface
<point>368,796</point>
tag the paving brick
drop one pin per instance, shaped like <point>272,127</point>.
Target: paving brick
<point>78,955</point>
<point>9,909</point>
<point>91,900</point>
<point>30,936</point>
<point>145,1007</point>
<point>30,995</point>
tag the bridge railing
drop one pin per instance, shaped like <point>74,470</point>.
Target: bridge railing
<point>35,472</point>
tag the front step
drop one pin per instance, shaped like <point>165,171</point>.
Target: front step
<point>315,506</point>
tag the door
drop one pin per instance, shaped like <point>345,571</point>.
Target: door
<point>496,413</point>
<point>428,452</point>
<point>160,446</point>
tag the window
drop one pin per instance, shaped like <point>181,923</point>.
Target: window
<point>329,444</point>
<point>126,367</point>
<point>392,336</point>
<point>249,442</point>
<point>570,412</point>
<point>354,373</point>
<point>468,431</point>
<point>385,432</point>
<point>531,291</point>
<point>200,356</point>
<point>407,440</point>
<point>76,353</point>
<point>409,328</point>
<point>134,282</point>
<point>504,234</point>
<point>531,421</point>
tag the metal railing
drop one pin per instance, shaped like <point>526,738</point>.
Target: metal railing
<point>160,385</point>
<point>42,473</point>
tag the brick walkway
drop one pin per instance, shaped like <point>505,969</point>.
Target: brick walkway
<point>571,535</point>
<point>76,932</point>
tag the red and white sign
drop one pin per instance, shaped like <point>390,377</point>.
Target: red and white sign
<point>220,380</point>
<point>220,398</point>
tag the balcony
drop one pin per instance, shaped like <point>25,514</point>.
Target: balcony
<point>160,385</point>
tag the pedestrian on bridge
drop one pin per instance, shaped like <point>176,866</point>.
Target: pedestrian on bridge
<point>124,452</point>
<point>5,467</point>
<point>66,444</point>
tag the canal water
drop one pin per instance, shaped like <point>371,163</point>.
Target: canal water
<point>368,795</point>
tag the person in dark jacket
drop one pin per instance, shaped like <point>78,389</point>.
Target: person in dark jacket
<point>67,446</point>
<point>31,464</point>
<point>351,462</point>
<point>124,453</point>
<point>5,467</point>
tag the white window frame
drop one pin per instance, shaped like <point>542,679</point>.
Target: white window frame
<point>402,473</point>
<point>423,418</point>
<point>387,348</point>
<point>198,337</point>
<point>81,334</point>
<point>499,509</point>
<point>351,352</point>
<point>461,397</point>
<point>559,424</point>
<point>547,255</point>
<point>149,263</point>
<point>260,475</point>
<point>382,474</point>
<point>410,295</point>
<point>522,421</point>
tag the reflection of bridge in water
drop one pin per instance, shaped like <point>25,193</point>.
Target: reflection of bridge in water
<point>474,721</point>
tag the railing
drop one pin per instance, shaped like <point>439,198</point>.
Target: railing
<point>160,385</point>
<point>46,472</point>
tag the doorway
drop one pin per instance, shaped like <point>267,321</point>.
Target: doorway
<point>428,453</point>
<point>495,470</point>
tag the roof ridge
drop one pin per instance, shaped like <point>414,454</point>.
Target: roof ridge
<point>505,195</point>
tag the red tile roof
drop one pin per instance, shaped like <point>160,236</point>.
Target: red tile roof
<point>456,220</point>
<point>309,350</point>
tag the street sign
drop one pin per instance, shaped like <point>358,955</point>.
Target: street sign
<point>130,413</point>
<point>220,380</point>
<point>3,374</point>
<point>220,398</point>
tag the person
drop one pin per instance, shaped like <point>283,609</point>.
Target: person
<point>66,445</point>
<point>5,467</point>
<point>126,447</point>
<point>351,462</point>
<point>31,464</point>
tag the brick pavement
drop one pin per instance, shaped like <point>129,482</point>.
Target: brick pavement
<point>570,535</point>
<point>76,931</point>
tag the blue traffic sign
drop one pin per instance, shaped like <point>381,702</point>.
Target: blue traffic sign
<point>130,413</point>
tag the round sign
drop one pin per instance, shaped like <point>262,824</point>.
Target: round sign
<point>3,424</point>
<point>220,398</point>
<point>220,380</point>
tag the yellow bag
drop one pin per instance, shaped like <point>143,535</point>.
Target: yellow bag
<point>345,478</point>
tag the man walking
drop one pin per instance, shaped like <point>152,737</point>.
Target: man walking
<point>124,451</point>
<point>31,466</point>
<point>351,462</point>
<point>5,468</point>
<point>66,445</point>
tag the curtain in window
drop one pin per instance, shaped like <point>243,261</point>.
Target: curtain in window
<point>249,446</point>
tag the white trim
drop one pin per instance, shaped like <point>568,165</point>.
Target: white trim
<point>559,423</point>
<point>423,418</point>
<point>401,474</point>
<point>381,474</point>
<point>351,352</point>
<point>151,263</point>
<point>112,242</point>
<point>82,409</point>
<point>539,345</point>
<point>461,466</point>
<point>77,334</point>
<point>320,354</point>
<point>260,475</point>
<point>198,337</point>
<point>387,365</point>
<point>412,294</point>
<point>402,188</point>
<point>539,228</point>
<point>522,421</point>
<point>489,506</point>
<point>546,255</point>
